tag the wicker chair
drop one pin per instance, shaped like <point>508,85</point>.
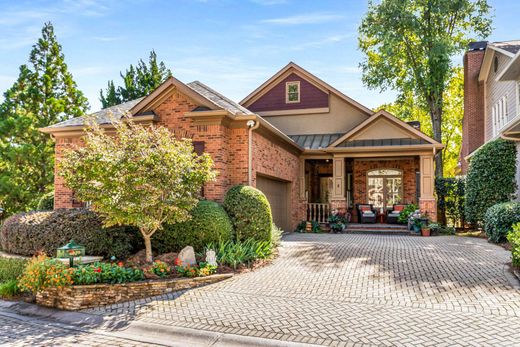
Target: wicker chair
<point>366,213</point>
<point>392,216</point>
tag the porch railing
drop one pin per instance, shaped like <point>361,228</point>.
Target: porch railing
<point>318,212</point>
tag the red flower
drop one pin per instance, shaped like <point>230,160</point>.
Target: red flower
<point>97,269</point>
<point>120,264</point>
<point>177,262</point>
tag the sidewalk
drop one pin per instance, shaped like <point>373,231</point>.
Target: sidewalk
<point>63,328</point>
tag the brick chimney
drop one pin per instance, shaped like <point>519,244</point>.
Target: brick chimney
<point>474,113</point>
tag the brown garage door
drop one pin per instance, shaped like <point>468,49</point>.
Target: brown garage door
<point>277,193</point>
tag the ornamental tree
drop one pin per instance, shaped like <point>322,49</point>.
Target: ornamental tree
<point>139,176</point>
<point>409,47</point>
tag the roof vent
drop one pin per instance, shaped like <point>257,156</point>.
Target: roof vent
<point>415,124</point>
<point>477,46</point>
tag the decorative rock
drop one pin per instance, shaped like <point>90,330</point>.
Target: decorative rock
<point>187,256</point>
<point>211,257</point>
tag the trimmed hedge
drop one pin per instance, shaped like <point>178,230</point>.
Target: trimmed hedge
<point>34,232</point>
<point>46,202</point>
<point>490,179</point>
<point>250,213</point>
<point>499,220</point>
<point>209,223</point>
<point>514,239</point>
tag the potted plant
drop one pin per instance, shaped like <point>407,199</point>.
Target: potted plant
<point>337,222</point>
<point>425,230</point>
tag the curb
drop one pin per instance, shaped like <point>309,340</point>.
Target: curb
<point>136,331</point>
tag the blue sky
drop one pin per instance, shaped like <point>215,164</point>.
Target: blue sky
<point>231,45</point>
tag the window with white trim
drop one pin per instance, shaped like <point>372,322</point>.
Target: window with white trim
<point>500,115</point>
<point>292,92</point>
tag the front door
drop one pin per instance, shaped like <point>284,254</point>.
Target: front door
<point>384,187</point>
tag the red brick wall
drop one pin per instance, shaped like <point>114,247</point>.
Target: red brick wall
<point>408,166</point>
<point>273,160</point>
<point>473,123</point>
<point>63,196</point>
<point>227,146</point>
<point>274,99</point>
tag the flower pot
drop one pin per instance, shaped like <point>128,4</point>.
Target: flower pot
<point>416,228</point>
<point>425,231</point>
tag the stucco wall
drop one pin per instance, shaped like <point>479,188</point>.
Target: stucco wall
<point>341,118</point>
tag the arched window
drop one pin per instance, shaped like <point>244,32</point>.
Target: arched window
<point>384,187</point>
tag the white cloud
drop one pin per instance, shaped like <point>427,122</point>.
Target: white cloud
<point>309,18</point>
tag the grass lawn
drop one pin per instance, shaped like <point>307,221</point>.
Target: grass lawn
<point>10,269</point>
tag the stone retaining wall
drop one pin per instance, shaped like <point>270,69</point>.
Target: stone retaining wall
<point>87,296</point>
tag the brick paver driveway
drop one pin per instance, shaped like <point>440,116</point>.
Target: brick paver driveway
<point>357,289</point>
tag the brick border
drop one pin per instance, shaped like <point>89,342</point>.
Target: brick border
<point>88,296</point>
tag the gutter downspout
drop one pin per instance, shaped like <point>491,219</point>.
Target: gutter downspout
<point>252,125</point>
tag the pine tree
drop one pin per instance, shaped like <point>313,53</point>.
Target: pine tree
<point>137,82</point>
<point>44,94</point>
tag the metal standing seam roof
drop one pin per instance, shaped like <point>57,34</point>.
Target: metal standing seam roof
<point>315,141</point>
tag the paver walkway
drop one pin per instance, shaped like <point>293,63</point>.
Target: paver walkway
<point>356,289</point>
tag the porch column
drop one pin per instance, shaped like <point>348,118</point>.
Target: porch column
<point>338,200</point>
<point>301,180</point>
<point>427,202</point>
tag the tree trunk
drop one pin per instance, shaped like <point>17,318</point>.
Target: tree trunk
<point>148,246</point>
<point>436,117</point>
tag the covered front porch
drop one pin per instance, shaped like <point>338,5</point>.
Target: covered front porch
<point>344,183</point>
<point>382,163</point>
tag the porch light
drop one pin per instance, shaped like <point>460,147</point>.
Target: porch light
<point>71,250</point>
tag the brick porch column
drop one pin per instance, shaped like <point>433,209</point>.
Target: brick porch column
<point>338,200</point>
<point>427,202</point>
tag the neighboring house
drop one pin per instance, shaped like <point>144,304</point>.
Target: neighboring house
<point>491,96</point>
<point>306,145</point>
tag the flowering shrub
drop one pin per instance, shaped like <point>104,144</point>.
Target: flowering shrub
<point>514,238</point>
<point>187,271</point>
<point>206,269</point>
<point>42,272</point>
<point>160,268</point>
<point>105,273</point>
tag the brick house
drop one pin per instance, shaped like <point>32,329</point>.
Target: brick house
<point>305,144</point>
<point>491,96</point>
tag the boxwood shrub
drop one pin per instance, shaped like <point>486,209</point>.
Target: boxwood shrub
<point>250,213</point>
<point>45,231</point>
<point>499,220</point>
<point>514,239</point>
<point>490,179</point>
<point>209,224</point>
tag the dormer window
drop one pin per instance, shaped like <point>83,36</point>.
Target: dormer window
<point>292,92</point>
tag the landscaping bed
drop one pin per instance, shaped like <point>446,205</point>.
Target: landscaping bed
<point>80,297</point>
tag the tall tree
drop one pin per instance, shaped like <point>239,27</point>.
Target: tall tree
<point>137,82</point>
<point>409,46</point>
<point>45,93</point>
<point>409,108</point>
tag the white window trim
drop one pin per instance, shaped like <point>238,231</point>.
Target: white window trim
<point>287,84</point>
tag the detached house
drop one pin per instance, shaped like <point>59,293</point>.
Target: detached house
<point>306,145</point>
<point>491,96</point>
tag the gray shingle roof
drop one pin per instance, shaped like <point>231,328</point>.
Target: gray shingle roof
<point>102,117</point>
<point>315,141</point>
<point>512,46</point>
<point>218,99</point>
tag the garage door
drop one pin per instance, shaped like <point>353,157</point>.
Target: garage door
<point>277,193</point>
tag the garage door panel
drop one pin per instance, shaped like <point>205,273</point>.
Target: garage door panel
<point>277,194</point>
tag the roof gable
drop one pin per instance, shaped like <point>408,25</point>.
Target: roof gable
<point>384,129</point>
<point>293,68</point>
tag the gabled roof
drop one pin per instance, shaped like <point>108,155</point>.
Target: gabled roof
<point>103,116</point>
<point>508,48</point>
<point>295,68</point>
<point>393,120</point>
<point>207,98</point>
<point>512,70</point>
<point>218,99</point>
